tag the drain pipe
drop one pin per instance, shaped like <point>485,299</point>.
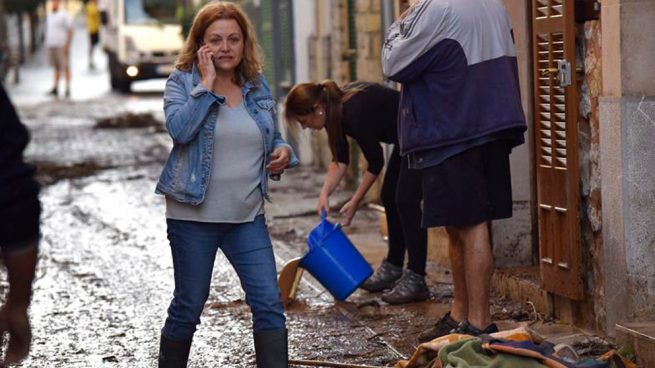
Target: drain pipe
<point>351,56</point>
<point>387,16</point>
<point>387,20</point>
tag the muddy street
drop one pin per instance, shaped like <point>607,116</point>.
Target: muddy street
<point>105,271</point>
<point>105,275</point>
<point>564,263</point>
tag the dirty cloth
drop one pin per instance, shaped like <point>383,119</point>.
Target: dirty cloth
<point>542,352</point>
<point>520,347</point>
<point>427,352</point>
<point>470,353</point>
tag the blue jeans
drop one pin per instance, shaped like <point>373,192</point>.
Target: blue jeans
<point>248,248</point>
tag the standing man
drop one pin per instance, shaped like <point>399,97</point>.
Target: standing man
<point>460,115</point>
<point>93,27</point>
<point>58,36</point>
<point>19,232</point>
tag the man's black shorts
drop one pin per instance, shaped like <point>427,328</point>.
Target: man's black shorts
<point>94,38</point>
<point>469,188</point>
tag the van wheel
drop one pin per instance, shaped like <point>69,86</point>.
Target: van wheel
<point>121,84</point>
<point>117,81</point>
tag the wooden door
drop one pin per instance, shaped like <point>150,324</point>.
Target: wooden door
<point>556,113</point>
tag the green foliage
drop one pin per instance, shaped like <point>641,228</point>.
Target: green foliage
<point>13,6</point>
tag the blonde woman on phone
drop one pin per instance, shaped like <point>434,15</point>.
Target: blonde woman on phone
<point>222,119</point>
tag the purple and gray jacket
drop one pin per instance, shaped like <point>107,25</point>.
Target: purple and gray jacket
<point>457,65</point>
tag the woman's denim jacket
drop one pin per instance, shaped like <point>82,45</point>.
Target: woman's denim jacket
<point>191,111</point>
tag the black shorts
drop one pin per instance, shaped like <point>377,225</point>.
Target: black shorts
<point>469,188</point>
<point>20,225</point>
<point>94,38</point>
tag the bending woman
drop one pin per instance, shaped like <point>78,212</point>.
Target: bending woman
<point>367,112</point>
<point>221,116</point>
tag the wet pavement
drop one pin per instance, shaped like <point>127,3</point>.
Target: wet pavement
<point>105,274</point>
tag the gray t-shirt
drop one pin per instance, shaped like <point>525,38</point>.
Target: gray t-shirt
<point>233,194</point>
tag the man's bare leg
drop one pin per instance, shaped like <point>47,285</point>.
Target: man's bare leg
<point>479,265</point>
<point>459,309</point>
<point>68,81</point>
<point>56,81</point>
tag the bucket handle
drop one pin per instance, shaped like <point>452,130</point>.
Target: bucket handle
<point>335,227</point>
<point>324,219</point>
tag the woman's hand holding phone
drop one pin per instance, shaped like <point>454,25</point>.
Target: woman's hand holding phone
<point>206,66</point>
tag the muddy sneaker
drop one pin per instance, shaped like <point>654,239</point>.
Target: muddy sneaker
<point>410,288</point>
<point>384,278</point>
<point>465,328</point>
<point>443,327</point>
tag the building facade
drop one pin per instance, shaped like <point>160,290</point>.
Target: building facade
<point>584,184</point>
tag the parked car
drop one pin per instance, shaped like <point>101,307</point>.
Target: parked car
<point>142,39</point>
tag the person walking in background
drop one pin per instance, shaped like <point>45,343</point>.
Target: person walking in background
<point>93,28</point>
<point>368,112</point>
<point>222,118</point>
<point>58,36</point>
<point>460,116</point>
<point>20,212</point>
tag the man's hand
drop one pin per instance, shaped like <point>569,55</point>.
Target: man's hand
<point>404,14</point>
<point>15,322</point>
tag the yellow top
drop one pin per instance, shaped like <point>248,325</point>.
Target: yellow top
<point>92,18</point>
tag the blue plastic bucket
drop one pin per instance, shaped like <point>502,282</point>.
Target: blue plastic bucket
<point>334,261</point>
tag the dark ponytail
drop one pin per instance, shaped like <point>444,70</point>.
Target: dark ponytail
<point>334,115</point>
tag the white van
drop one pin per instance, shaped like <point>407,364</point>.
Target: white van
<point>142,39</point>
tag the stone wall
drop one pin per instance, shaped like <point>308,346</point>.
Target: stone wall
<point>638,115</point>
<point>627,133</point>
<point>588,42</point>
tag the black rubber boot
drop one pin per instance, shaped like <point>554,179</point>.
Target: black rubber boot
<point>173,354</point>
<point>271,349</point>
